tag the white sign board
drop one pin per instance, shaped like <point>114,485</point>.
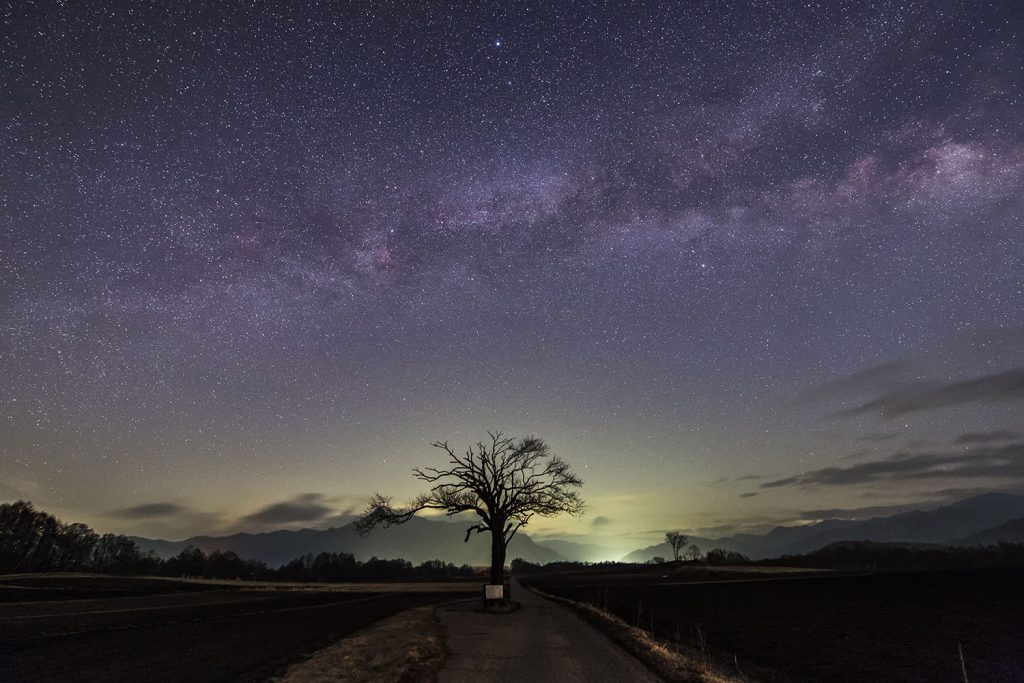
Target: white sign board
<point>494,592</point>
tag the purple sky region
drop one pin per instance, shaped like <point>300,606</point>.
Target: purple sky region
<point>739,263</point>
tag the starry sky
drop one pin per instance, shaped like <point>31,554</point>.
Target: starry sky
<point>739,263</point>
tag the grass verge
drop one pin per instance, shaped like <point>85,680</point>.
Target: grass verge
<point>406,648</point>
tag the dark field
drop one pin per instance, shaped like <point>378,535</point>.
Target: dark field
<point>897,627</point>
<point>114,629</point>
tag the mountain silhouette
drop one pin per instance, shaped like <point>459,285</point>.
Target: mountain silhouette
<point>986,518</point>
<point>1008,532</point>
<point>418,540</point>
<point>948,525</point>
<point>578,552</point>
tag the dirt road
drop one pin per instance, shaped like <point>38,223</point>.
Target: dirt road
<point>541,642</point>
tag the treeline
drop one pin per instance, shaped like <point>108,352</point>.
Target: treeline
<point>721,556</point>
<point>337,567</point>
<point>35,541</point>
<point>891,557</point>
<point>320,568</point>
<point>860,556</point>
<point>715,556</point>
<point>520,566</point>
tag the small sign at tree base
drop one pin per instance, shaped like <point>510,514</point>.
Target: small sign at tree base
<point>497,595</point>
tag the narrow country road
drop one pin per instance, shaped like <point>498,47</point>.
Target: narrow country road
<point>542,641</point>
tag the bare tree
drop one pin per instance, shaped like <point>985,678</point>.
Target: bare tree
<point>677,540</point>
<point>505,483</point>
<point>693,552</point>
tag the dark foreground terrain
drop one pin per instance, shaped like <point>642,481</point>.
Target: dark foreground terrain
<point>115,629</point>
<point>882,627</point>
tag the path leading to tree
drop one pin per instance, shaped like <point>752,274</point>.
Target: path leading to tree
<point>542,641</point>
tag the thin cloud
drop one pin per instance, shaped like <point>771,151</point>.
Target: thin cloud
<point>751,525</point>
<point>986,437</point>
<point>600,521</point>
<point>859,453</point>
<point>933,500</point>
<point>150,511</point>
<point>994,462</point>
<point>1003,386</point>
<point>340,518</point>
<point>864,512</point>
<point>748,494</point>
<point>307,507</point>
<point>878,437</point>
<point>863,381</point>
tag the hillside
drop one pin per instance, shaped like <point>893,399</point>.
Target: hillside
<point>982,519</point>
<point>418,540</point>
<point>941,525</point>
<point>578,552</point>
<point>957,523</point>
<point>1008,532</point>
<point>664,550</point>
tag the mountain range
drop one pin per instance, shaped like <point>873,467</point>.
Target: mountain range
<point>983,519</point>
<point>1010,532</point>
<point>418,540</point>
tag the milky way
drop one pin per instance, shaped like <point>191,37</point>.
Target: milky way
<point>264,255</point>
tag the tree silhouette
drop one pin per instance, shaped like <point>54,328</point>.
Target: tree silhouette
<point>723,556</point>
<point>35,541</point>
<point>677,540</point>
<point>505,483</point>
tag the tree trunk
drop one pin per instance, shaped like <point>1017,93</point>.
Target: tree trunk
<point>497,557</point>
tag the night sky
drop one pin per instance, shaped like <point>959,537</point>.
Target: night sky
<point>738,263</point>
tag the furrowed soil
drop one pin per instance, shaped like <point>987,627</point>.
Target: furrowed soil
<point>827,627</point>
<point>125,629</point>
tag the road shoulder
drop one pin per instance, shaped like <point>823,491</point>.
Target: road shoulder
<point>671,663</point>
<point>407,647</point>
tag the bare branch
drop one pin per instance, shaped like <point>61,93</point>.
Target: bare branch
<point>677,540</point>
<point>505,482</point>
